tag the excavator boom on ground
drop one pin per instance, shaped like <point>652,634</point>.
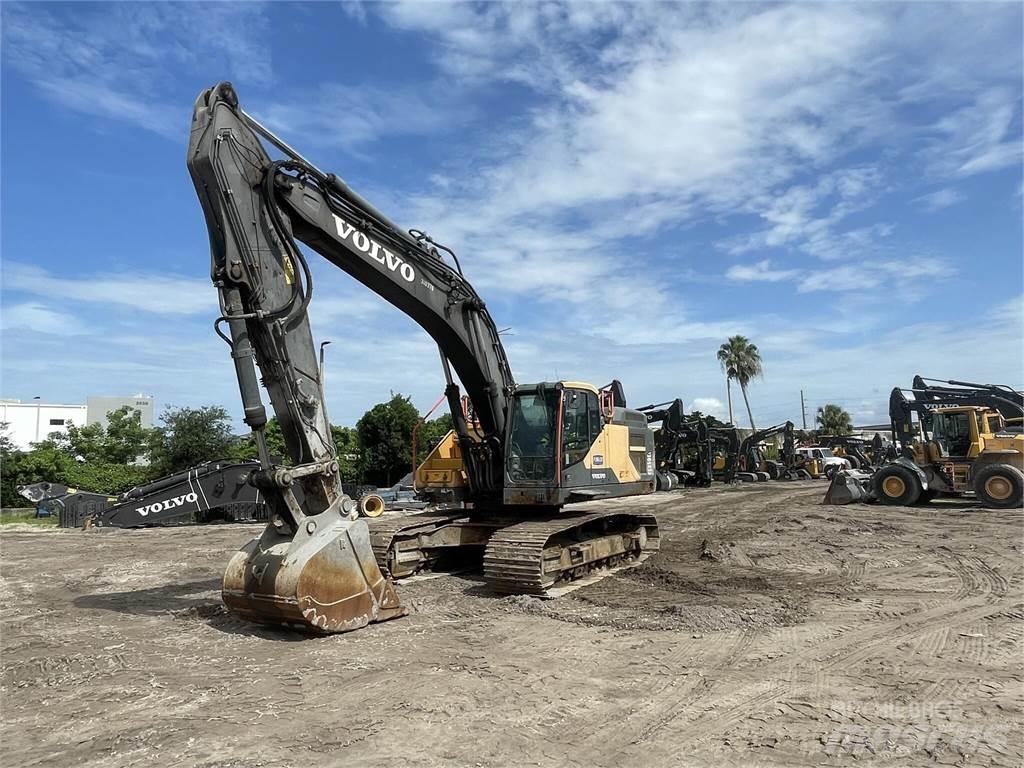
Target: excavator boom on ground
<point>527,451</point>
<point>216,491</point>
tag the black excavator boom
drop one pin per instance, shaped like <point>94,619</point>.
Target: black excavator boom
<point>217,491</point>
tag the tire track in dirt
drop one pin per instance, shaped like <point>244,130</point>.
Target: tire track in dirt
<point>700,507</point>
<point>977,584</point>
<point>650,705</point>
<point>704,687</point>
<point>776,689</point>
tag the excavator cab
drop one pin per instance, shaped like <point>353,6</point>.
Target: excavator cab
<point>532,435</point>
<point>569,441</point>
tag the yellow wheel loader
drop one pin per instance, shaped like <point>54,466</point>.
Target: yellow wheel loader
<point>967,439</point>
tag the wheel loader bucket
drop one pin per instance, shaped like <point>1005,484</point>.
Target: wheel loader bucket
<point>324,579</point>
<point>848,486</point>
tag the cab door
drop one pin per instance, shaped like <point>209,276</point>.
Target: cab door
<point>583,452</point>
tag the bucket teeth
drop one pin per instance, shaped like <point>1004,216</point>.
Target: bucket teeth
<point>326,581</point>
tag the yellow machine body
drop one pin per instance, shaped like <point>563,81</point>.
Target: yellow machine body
<point>968,436</point>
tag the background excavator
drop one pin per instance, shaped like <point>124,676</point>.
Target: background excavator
<point>744,459</point>
<point>966,439</point>
<point>858,452</point>
<point>529,450</point>
<point>754,461</point>
<point>682,446</point>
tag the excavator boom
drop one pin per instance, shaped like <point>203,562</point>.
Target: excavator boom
<point>313,566</point>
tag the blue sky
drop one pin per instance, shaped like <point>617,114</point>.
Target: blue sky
<point>626,185</point>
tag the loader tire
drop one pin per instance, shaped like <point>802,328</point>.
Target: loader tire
<point>854,462</point>
<point>896,486</point>
<point>1000,486</point>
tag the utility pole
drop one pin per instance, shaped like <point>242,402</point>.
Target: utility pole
<point>803,409</point>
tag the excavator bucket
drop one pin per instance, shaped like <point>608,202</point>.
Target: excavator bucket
<point>848,486</point>
<point>323,580</point>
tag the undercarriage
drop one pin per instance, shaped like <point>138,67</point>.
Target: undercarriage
<point>516,555</point>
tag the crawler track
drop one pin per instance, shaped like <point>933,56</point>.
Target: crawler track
<point>518,556</point>
<point>398,541</point>
<point>529,557</point>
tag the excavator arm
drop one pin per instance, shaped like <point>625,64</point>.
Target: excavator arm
<point>255,209</point>
<point>942,393</point>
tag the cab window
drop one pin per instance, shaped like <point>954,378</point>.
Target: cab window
<point>581,424</point>
<point>953,432</point>
<point>531,448</point>
<point>596,419</point>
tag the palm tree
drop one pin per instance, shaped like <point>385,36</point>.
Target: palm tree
<point>740,360</point>
<point>834,420</point>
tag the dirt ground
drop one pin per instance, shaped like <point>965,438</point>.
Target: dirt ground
<point>806,635</point>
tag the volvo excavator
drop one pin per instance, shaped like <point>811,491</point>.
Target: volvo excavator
<point>788,465</point>
<point>744,459</point>
<point>530,450</point>
<point>682,446</point>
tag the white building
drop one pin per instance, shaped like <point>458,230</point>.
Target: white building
<point>31,422</point>
<point>100,405</point>
<point>34,421</point>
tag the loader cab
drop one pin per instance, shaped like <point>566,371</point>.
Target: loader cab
<point>955,431</point>
<point>568,441</point>
<point>966,432</point>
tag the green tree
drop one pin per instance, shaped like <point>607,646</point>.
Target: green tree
<point>190,436</point>
<point>711,420</point>
<point>346,441</point>
<point>833,420</point>
<point>385,440</point>
<point>56,460</point>
<point>740,360</point>
<point>245,447</point>
<point>45,462</point>
<point>123,441</point>
<point>430,434</point>
<point>126,438</point>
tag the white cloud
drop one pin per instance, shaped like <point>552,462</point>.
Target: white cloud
<point>33,316</point>
<point>120,61</point>
<point>160,294</point>
<point>796,216</point>
<point>903,278</point>
<point>709,406</point>
<point>760,271</point>
<point>939,199</point>
<point>726,113</point>
<point>983,136</point>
